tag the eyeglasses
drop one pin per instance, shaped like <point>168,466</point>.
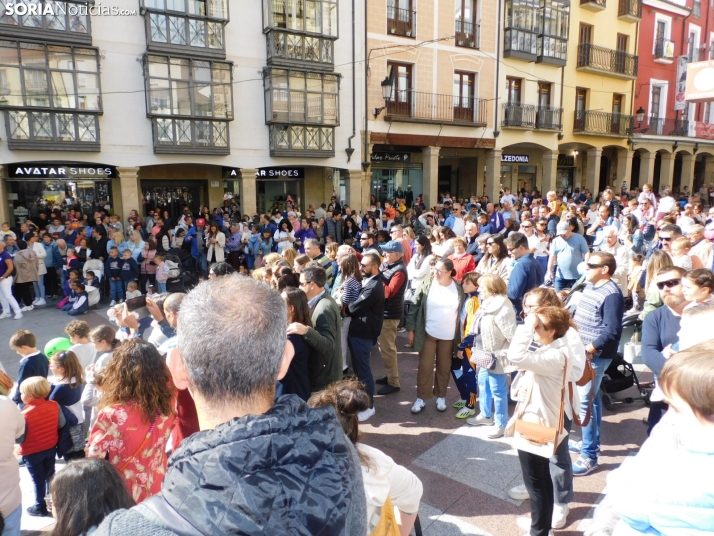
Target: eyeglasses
<point>669,283</point>
<point>303,283</point>
<point>594,266</point>
<point>490,243</point>
<point>666,238</point>
<point>511,250</point>
<point>435,269</point>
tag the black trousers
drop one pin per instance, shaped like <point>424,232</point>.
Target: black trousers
<point>536,476</point>
<point>23,293</point>
<point>146,280</point>
<point>52,282</point>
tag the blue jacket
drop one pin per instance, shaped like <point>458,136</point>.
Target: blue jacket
<point>53,258</point>
<point>526,275</point>
<point>497,222</point>
<point>35,365</point>
<point>193,237</point>
<point>262,247</point>
<point>252,242</point>
<point>129,269</point>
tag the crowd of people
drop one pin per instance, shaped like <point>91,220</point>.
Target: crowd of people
<point>518,300</point>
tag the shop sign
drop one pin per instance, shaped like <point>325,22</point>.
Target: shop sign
<point>280,173</point>
<point>699,85</point>
<point>391,157</point>
<point>681,86</point>
<point>566,160</point>
<point>36,170</point>
<point>515,158</point>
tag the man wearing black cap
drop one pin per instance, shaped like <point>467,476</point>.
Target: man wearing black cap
<point>394,276</point>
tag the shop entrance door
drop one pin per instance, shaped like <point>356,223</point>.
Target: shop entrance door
<point>274,194</point>
<point>171,196</point>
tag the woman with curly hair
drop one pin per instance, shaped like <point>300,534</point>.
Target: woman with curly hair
<point>136,416</point>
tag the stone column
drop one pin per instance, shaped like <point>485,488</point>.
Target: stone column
<point>687,171</point>
<point>130,190</point>
<point>248,191</point>
<point>354,182</point>
<point>493,174</point>
<point>666,170</point>
<point>624,166</point>
<point>550,171</point>
<point>592,174</point>
<point>5,204</point>
<point>708,172</point>
<point>647,168</point>
<point>480,175</point>
<point>431,176</point>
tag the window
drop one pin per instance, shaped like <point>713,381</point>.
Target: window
<point>523,24</point>
<point>585,36</point>
<point>70,20</point>
<point>190,102</point>
<point>400,18</point>
<point>61,83</point>
<point>302,16</point>
<point>581,96</point>
<point>655,102</point>
<point>177,25</point>
<point>301,97</point>
<point>400,102</point>
<point>553,44</point>
<point>544,89</point>
<point>467,31</point>
<point>513,90</point>
<point>464,88</point>
<point>663,47</point>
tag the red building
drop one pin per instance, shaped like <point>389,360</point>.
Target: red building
<point>673,140</point>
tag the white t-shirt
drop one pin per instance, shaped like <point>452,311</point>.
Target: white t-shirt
<point>442,309</point>
<point>459,227</point>
<point>85,353</point>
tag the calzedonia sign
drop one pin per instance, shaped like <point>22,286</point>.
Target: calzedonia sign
<point>38,170</point>
<point>514,158</point>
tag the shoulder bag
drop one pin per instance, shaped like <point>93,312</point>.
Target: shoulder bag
<point>534,437</point>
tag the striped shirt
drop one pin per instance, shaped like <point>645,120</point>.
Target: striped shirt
<point>599,318</point>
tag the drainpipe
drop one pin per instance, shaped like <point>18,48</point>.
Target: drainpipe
<point>637,48</point>
<point>562,83</point>
<point>349,149</point>
<point>496,132</point>
<point>365,155</point>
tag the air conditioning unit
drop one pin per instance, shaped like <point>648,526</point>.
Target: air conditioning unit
<point>668,50</point>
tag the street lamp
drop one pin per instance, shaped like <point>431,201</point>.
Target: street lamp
<point>640,115</point>
<point>387,84</point>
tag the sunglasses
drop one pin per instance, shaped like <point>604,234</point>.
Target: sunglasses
<point>666,238</point>
<point>526,226</point>
<point>669,283</point>
<point>490,243</point>
<point>591,266</point>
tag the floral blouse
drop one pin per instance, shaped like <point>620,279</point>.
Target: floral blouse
<point>118,435</point>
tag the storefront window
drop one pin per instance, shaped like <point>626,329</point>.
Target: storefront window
<point>386,182</point>
<point>28,197</point>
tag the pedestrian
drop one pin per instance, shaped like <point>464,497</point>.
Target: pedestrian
<point>216,243</point>
<point>8,301</point>
<point>599,320</point>
<point>67,392</point>
<point>11,496</point>
<point>130,271</point>
<point>367,314</point>
<point>113,272</point>
<point>43,419</point>
<point>463,371</point>
<point>297,378</point>
<point>135,417</point>
<point>493,329</point>
<point>496,260</point>
<point>527,273</point>
<point>346,293</point>
<point>26,270</point>
<point>463,261</point>
<point>325,338</point>
<point>567,251</point>
<point>39,285</point>
<point>83,494</point>
<point>147,265</point>
<point>79,301</point>
<point>393,274</point>
<point>315,485</point>
<point>433,328</point>
<point>33,362</point>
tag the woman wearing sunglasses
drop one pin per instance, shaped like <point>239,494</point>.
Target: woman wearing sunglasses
<point>496,260</point>
<point>659,260</point>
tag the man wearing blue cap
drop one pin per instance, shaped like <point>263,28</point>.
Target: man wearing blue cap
<point>394,276</point>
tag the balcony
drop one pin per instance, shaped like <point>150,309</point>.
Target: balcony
<point>552,50</point>
<point>528,116</point>
<point>417,107</point>
<point>68,23</point>
<point>659,126</point>
<point>630,10</point>
<point>602,124</point>
<point>593,5</point>
<point>468,34</point>
<point>697,54</point>
<point>603,60</point>
<point>521,44</point>
<point>286,49</point>
<point>174,135</point>
<point>302,140</point>
<point>52,131</point>
<point>401,21</point>
<point>663,50</point>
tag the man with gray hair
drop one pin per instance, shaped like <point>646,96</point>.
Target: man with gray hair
<point>620,252</point>
<point>312,250</point>
<point>259,465</point>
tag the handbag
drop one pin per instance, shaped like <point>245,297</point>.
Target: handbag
<point>387,525</point>
<point>483,358</point>
<point>537,438</point>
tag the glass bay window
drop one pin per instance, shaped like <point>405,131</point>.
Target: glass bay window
<point>537,30</point>
<point>553,43</point>
<point>301,16</point>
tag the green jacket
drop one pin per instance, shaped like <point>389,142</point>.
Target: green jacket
<point>325,366</point>
<point>416,319</point>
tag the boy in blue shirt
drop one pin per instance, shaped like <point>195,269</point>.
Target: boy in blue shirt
<point>129,269</point>
<point>112,271</point>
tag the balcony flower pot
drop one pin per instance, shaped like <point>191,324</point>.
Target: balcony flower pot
<point>392,30</point>
<point>408,33</point>
<point>461,42</point>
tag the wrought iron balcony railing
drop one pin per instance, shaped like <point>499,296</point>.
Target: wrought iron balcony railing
<point>433,108</point>
<point>603,123</point>
<point>549,118</point>
<point>660,126</point>
<point>606,60</point>
<point>468,34</point>
<point>663,49</point>
<point>401,21</point>
<point>630,10</point>
<point>296,50</point>
<point>530,116</point>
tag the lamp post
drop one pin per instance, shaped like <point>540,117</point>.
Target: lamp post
<point>640,116</point>
<point>387,85</point>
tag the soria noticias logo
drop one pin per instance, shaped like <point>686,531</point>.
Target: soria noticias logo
<point>54,9</point>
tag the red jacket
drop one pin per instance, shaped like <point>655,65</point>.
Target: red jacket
<point>42,425</point>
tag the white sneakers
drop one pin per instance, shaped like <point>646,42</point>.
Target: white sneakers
<point>418,406</point>
<point>441,404</point>
<point>6,314</point>
<point>18,316</point>
<point>39,301</point>
<point>27,308</point>
<point>519,493</point>
<point>558,521</point>
<point>366,414</point>
<point>113,303</point>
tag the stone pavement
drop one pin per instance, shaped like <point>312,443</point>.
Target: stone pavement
<point>465,476</point>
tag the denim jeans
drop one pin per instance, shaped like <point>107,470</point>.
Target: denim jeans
<point>201,263</point>
<point>591,432</point>
<point>39,287</point>
<point>64,274</point>
<point>361,350</point>
<point>492,388</point>
<point>559,283</point>
<point>161,286</point>
<point>12,523</point>
<point>41,467</point>
<point>116,289</point>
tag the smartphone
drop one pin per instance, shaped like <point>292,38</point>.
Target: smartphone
<point>132,304</point>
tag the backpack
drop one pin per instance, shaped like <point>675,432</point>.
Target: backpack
<point>174,269</point>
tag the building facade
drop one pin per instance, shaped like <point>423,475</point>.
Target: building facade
<point>180,102</point>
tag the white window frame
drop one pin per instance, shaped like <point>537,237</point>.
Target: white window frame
<point>697,31</point>
<point>667,31</point>
<point>664,85</point>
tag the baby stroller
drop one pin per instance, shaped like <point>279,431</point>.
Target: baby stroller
<point>620,382</point>
<point>180,279</point>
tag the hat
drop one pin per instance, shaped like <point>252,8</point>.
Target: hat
<point>563,228</point>
<point>393,245</point>
<point>201,222</point>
